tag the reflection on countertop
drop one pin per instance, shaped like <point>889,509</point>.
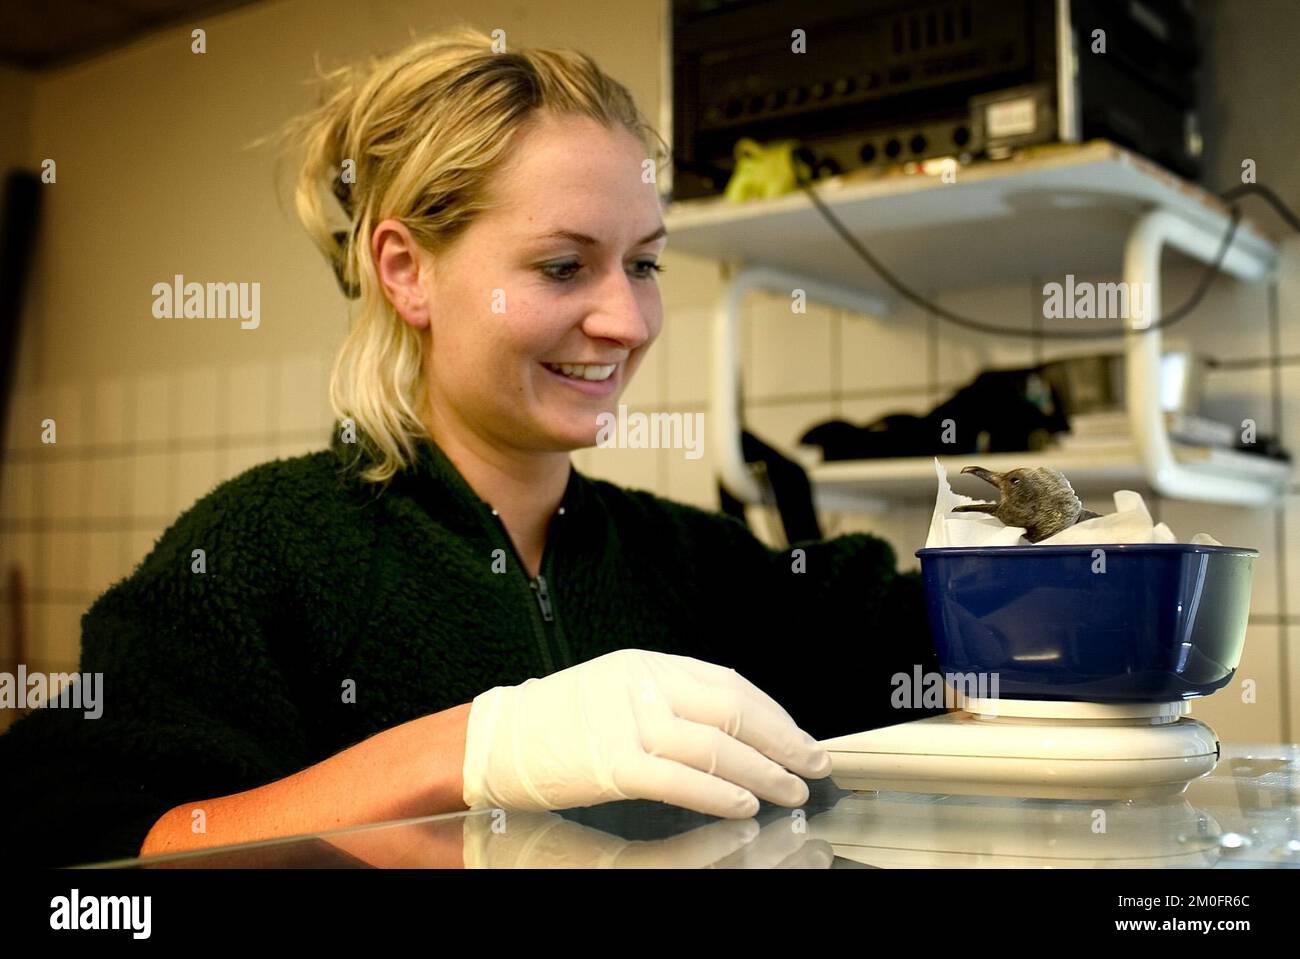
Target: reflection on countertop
<point>1242,815</point>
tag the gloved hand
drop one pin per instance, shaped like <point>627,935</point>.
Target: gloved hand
<point>634,724</point>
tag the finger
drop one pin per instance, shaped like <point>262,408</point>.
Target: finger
<point>709,749</point>
<point>699,848</point>
<point>723,698</point>
<point>818,763</point>
<point>814,854</point>
<point>768,851</point>
<point>652,777</point>
<point>713,674</point>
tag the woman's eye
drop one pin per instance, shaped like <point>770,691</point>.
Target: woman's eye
<point>561,271</point>
<point>554,269</point>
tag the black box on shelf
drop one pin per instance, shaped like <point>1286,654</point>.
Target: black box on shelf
<point>885,81</point>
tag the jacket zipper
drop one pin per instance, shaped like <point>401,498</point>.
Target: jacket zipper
<point>542,594</point>
<point>543,597</point>
<point>546,604</point>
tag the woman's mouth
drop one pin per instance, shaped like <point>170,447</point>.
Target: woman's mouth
<point>593,379</point>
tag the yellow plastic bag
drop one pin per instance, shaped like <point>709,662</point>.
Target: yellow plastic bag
<point>765,170</point>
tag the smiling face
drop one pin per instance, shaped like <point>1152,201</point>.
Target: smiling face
<point>559,274</point>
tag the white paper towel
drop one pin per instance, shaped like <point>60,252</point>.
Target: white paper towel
<point>1130,523</point>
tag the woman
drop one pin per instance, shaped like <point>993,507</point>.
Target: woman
<point>438,612</point>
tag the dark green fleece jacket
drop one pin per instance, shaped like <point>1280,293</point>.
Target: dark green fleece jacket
<point>329,610</point>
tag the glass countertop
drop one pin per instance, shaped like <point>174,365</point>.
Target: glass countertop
<point>1242,815</point>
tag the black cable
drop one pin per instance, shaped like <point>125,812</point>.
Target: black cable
<point>1293,221</point>
<point>1259,189</point>
<point>981,327</point>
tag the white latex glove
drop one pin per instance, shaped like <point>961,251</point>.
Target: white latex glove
<point>634,724</point>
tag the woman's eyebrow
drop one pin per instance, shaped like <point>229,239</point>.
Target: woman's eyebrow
<point>585,240</point>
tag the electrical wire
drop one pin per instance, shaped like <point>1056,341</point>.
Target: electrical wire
<point>1207,277</point>
<point>1282,210</point>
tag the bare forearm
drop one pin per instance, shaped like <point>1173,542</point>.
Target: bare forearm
<point>410,770</point>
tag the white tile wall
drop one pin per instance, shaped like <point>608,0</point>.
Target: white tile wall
<point>685,348</point>
<point>914,401</point>
<point>646,387</point>
<point>109,411</point>
<point>781,424</point>
<point>1290,696</point>
<point>645,469</point>
<point>786,354</point>
<point>303,400</point>
<point>61,486</point>
<point>1230,711</point>
<point>694,481</point>
<point>18,491</point>
<point>149,485</point>
<point>1289,388</point>
<point>1291,557</point>
<point>1232,396</point>
<point>243,457</point>
<point>150,420</point>
<point>110,488</point>
<point>1231,322</point>
<point>1288,294</point>
<point>193,473</point>
<point>197,401</point>
<point>249,398</point>
<point>881,353</point>
<point>132,454</point>
<point>962,352</point>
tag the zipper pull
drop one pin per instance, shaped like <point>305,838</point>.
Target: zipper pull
<point>543,597</point>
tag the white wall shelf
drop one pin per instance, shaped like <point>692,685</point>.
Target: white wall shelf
<point>1000,221</point>
<point>1096,471</point>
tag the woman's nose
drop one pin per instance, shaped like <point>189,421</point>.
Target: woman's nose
<point>620,313</point>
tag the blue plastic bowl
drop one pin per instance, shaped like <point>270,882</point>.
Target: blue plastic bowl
<point>1164,622</point>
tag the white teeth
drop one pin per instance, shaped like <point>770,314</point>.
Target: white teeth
<point>582,371</point>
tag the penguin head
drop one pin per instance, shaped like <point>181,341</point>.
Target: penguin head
<point>1040,499</point>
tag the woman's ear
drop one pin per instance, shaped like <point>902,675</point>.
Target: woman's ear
<point>401,265</point>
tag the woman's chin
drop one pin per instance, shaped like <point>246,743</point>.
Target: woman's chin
<point>584,442</point>
<point>571,438</point>
<point>578,431</point>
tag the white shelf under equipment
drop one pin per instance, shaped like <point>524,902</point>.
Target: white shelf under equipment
<point>995,223</point>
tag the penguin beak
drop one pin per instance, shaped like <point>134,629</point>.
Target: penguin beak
<point>987,476</point>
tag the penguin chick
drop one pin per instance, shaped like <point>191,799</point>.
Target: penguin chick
<point>1041,500</point>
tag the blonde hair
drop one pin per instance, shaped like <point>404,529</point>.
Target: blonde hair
<point>428,127</point>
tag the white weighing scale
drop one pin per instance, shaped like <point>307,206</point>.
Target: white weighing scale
<point>893,830</point>
<point>1033,749</point>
